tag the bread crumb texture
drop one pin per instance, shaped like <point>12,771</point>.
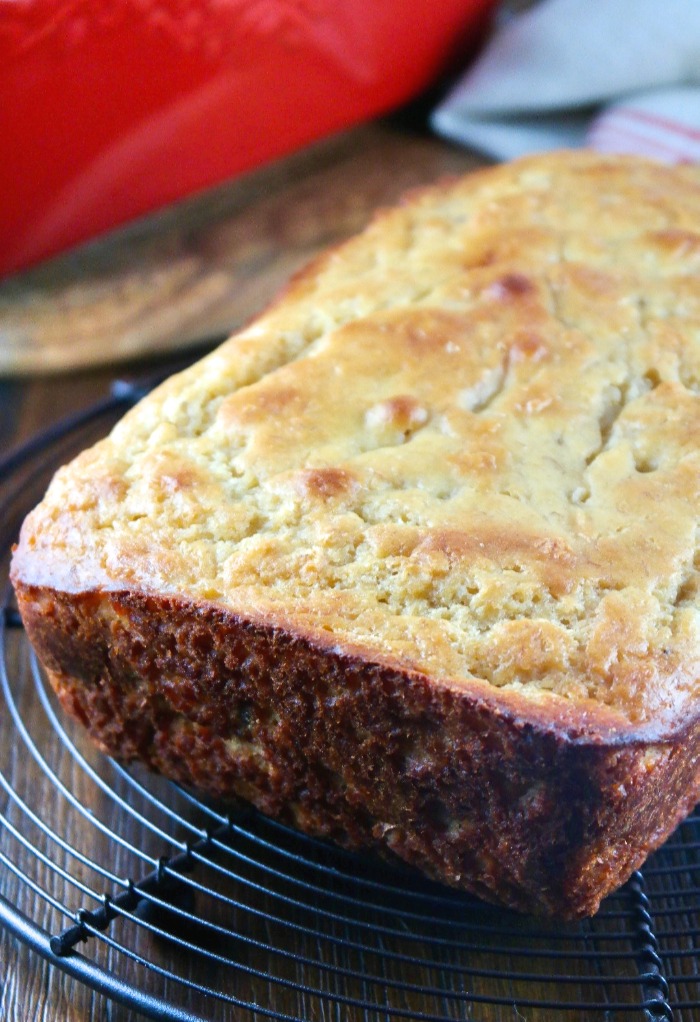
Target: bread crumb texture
<point>465,442</point>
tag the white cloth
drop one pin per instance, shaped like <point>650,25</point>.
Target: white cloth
<point>619,75</point>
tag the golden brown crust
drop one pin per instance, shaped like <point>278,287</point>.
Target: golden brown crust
<point>459,459</point>
<point>360,752</point>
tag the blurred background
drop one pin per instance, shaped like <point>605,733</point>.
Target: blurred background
<point>166,165</point>
<point>116,110</point>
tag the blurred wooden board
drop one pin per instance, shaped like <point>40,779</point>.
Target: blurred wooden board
<point>199,269</point>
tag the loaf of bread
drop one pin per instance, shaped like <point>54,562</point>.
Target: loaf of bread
<point>412,560</point>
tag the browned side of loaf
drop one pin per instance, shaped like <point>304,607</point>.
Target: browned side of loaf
<point>518,813</point>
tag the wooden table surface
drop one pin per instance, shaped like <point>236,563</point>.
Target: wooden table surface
<point>124,305</point>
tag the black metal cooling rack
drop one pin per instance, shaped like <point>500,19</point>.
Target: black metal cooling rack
<point>116,876</point>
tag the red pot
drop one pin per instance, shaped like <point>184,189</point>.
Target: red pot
<point>109,109</point>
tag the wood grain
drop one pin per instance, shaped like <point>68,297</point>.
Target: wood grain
<point>200,269</point>
<point>29,987</point>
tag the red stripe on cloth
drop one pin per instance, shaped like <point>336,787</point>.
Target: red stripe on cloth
<point>676,127</point>
<point>609,133</point>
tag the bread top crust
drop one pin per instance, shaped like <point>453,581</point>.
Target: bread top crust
<point>465,443</point>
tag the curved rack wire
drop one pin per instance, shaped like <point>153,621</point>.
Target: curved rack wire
<point>116,876</point>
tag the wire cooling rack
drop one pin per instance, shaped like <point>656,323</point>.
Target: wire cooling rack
<point>118,877</point>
